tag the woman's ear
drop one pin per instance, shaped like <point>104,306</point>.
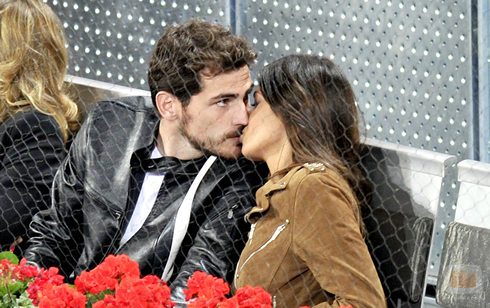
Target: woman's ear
<point>167,105</point>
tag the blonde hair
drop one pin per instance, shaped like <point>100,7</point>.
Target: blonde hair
<point>33,63</point>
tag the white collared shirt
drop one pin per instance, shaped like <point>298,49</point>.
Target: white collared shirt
<point>146,200</point>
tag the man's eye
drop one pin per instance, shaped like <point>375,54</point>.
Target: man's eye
<point>222,103</point>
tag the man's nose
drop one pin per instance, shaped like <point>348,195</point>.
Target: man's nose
<point>240,116</point>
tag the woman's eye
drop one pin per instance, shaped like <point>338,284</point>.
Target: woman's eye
<point>251,102</point>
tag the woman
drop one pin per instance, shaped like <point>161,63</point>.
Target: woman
<point>36,117</point>
<point>306,245</point>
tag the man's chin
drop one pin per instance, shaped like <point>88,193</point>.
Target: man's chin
<point>231,155</point>
<point>228,153</point>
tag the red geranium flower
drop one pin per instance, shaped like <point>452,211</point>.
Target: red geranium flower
<point>249,297</point>
<point>230,303</point>
<point>62,296</point>
<point>27,271</point>
<point>109,301</point>
<point>14,272</point>
<point>44,279</point>
<point>205,287</point>
<point>206,291</point>
<point>149,291</point>
<point>107,275</point>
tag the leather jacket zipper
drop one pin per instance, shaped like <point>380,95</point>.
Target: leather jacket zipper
<point>273,237</point>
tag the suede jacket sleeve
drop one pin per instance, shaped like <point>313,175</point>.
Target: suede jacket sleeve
<point>326,236</point>
<point>31,150</point>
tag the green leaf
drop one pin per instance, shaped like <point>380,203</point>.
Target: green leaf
<point>5,301</point>
<point>93,298</point>
<point>24,300</point>
<point>10,257</point>
<point>13,287</point>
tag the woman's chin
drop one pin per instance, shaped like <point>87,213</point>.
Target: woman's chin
<point>250,155</point>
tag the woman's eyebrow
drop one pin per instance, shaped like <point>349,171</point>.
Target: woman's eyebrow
<point>251,89</point>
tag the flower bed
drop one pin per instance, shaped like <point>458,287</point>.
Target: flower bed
<point>115,283</point>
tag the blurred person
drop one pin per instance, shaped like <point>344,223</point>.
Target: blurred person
<point>160,179</point>
<point>306,244</point>
<point>36,117</point>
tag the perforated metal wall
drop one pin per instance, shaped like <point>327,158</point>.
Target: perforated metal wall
<point>112,41</point>
<point>410,62</point>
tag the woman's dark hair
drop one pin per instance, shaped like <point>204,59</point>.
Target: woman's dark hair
<point>317,105</point>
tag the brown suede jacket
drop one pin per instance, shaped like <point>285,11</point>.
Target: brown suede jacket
<point>305,246</point>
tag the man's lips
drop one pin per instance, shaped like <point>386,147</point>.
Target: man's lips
<point>236,136</point>
<point>242,133</point>
<point>233,135</point>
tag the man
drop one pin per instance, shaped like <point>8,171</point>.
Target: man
<point>150,186</point>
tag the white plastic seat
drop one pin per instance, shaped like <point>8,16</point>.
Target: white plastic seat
<point>407,187</point>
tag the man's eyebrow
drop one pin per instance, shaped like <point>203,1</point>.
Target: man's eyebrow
<point>232,95</point>
<point>224,95</point>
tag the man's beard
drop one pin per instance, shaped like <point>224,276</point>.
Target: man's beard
<point>207,146</point>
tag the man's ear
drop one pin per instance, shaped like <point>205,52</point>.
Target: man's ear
<point>168,105</point>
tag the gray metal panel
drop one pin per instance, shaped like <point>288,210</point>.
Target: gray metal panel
<point>484,77</point>
<point>112,41</point>
<point>408,61</point>
<point>86,92</point>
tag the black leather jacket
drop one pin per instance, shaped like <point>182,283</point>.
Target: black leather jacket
<point>90,204</point>
<point>31,150</point>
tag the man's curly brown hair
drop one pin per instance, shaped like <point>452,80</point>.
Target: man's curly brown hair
<point>186,52</point>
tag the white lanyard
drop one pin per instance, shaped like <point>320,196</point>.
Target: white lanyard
<point>183,217</point>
